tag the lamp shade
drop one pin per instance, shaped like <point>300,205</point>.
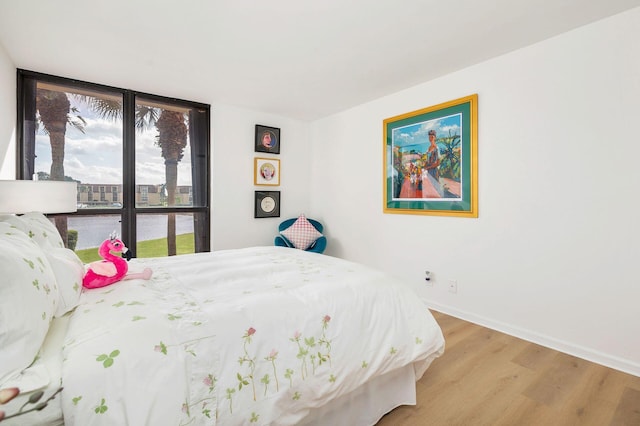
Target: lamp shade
<point>44,196</point>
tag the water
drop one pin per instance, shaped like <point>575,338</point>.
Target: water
<point>93,230</point>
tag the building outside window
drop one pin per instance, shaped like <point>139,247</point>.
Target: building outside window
<point>144,195</point>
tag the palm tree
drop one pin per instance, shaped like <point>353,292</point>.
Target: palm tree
<point>54,113</point>
<point>172,139</point>
<point>450,156</point>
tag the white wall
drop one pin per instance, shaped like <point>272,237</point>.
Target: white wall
<point>232,188</point>
<point>8,114</point>
<point>551,257</point>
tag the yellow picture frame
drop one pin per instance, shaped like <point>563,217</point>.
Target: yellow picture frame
<point>430,160</point>
<point>266,171</point>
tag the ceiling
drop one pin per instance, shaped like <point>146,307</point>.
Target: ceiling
<point>295,58</point>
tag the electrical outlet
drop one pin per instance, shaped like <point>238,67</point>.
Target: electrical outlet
<point>453,286</point>
<point>428,278</point>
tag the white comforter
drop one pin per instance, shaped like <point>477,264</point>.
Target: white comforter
<point>258,335</point>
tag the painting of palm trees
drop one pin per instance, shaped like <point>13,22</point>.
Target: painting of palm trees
<point>431,160</point>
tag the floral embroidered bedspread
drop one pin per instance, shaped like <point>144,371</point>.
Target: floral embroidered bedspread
<point>250,336</point>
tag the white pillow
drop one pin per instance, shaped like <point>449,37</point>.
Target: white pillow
<point>69,271</point>
<point>36,226</point>
<point>28,300</point>
<point>301,233</point>
<point>67,267</point>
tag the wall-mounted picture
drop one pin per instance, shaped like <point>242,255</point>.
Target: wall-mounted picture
<point>267,139</point>
<point>267,204</point>
<point>431,160</point>
<point>266,171</point>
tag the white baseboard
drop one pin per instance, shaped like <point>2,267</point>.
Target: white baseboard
<point>616,363</point>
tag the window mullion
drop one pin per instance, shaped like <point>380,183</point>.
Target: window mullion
<point>128,173</point>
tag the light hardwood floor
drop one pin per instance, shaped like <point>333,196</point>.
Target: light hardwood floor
<point>489,378</point>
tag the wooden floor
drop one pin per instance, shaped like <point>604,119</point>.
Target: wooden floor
<point>489,378</point>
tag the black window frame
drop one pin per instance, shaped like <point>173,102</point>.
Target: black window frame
<point>200,153</point>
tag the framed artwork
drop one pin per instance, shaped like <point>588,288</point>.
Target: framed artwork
<point>431,160</point>
<point>267,139</point>
<point>266,171</point>
<point>267,204</point>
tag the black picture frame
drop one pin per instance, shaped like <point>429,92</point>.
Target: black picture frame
<point>273,135</point>
<point>267,204</point>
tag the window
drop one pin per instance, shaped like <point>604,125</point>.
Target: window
<point>144,196</point>
<point>141,162</point>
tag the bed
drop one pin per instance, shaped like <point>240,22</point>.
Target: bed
<point>259,335</point>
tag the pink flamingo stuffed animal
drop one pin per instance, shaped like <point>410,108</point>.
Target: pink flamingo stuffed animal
<point>112,268</point>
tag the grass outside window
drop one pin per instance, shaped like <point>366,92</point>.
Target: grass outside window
<point>148,248</point>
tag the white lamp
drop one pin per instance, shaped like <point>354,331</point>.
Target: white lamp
<point>44,196</point>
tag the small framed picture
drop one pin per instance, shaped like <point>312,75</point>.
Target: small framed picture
<point>266,171</point>
<point>267,204</point>
<point>267,139</point>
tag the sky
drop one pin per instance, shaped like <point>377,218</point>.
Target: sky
<point>96,156</point>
